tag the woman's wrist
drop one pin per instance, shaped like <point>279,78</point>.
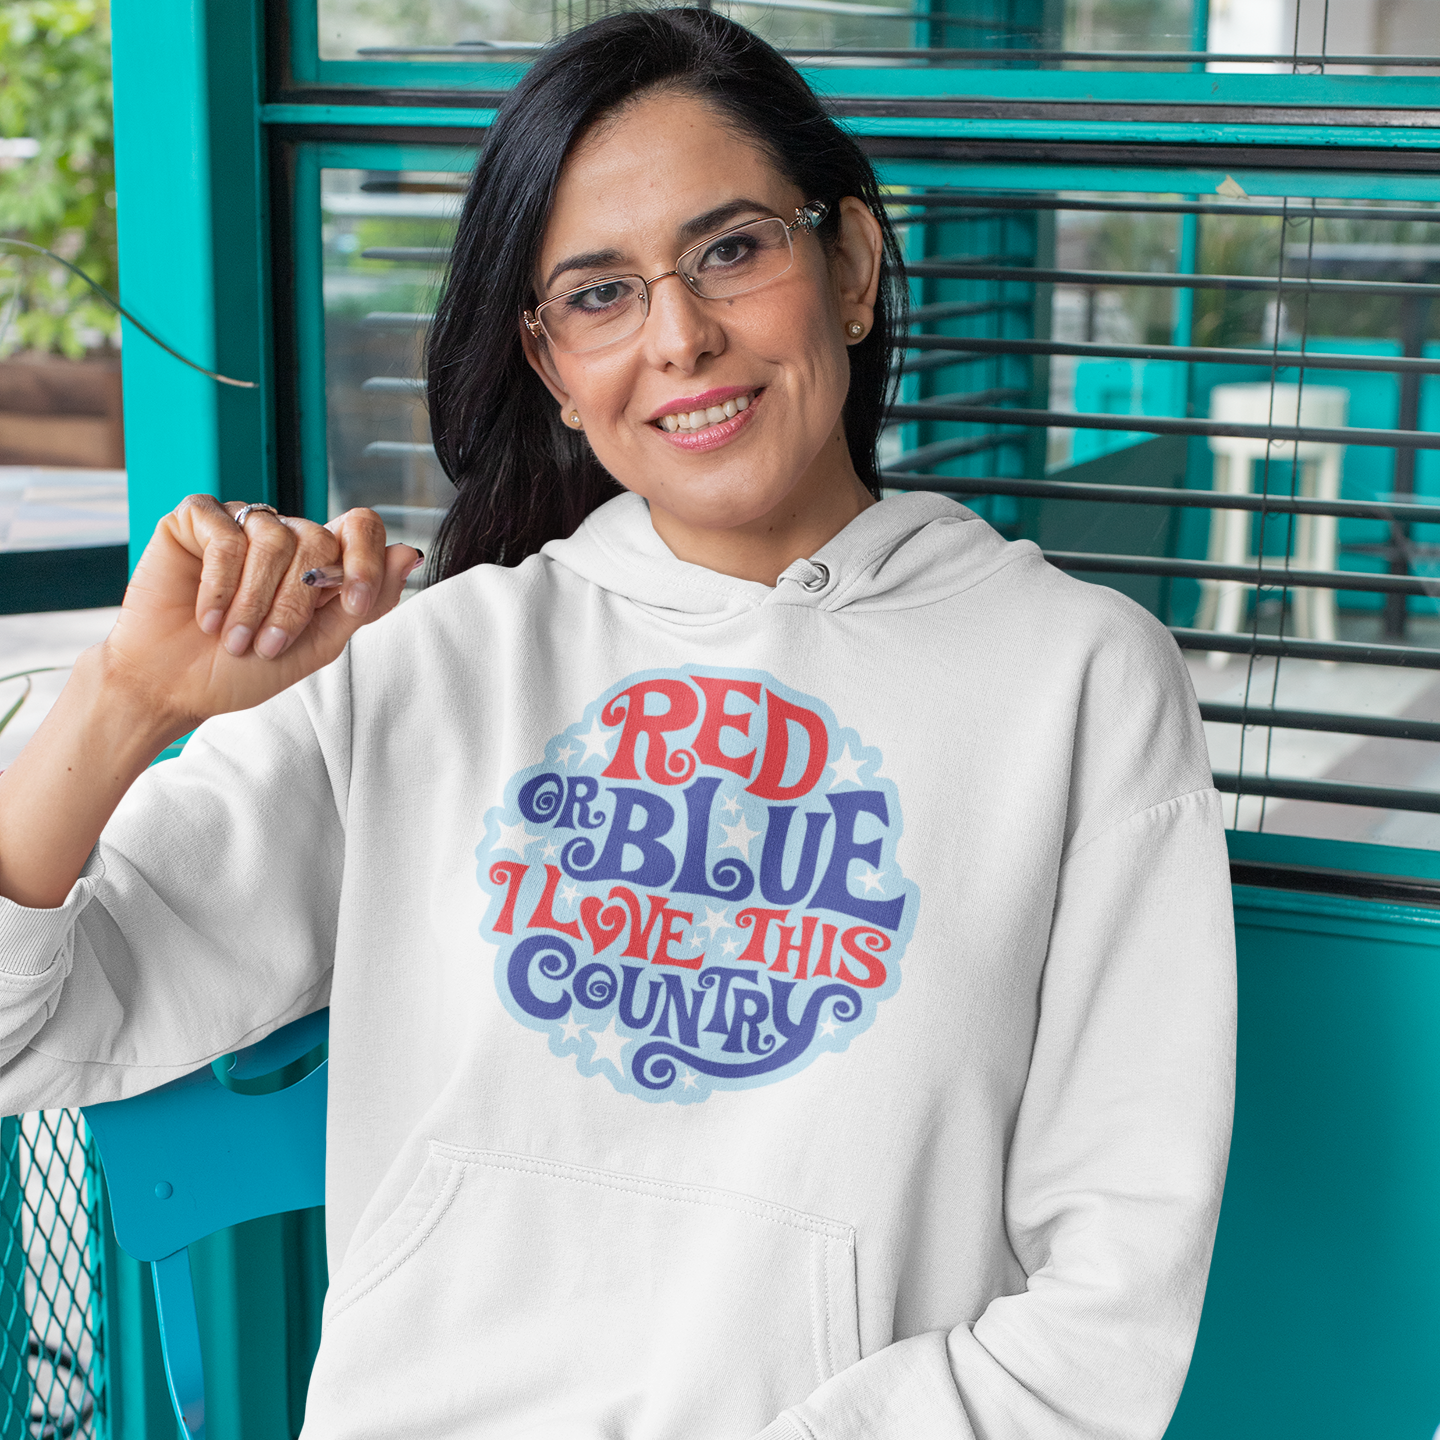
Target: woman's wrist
<point>130,718</point>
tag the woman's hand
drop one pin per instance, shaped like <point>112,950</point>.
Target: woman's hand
<point>218,618</point>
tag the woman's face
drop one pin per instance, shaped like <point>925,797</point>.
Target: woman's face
<point>636,193</point>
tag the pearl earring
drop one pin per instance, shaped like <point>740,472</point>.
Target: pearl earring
<point>855,329</point>
<point>573,420</point>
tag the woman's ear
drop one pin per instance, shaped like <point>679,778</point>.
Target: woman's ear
<point>538,354</point>
<point>855,266</point>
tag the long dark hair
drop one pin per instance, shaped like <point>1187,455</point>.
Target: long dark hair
<point>523,477</point>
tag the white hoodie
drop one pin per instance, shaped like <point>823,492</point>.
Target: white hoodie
<point>875,1082</point>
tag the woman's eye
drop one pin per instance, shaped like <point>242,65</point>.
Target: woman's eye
<point>726,251</point>
<point>600,297</point>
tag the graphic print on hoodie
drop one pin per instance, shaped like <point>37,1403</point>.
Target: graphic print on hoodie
<point>636,927</point>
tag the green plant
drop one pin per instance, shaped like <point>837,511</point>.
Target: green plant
<point>55,60</point>
<point>1139,243</point>
<point>1251,245</point>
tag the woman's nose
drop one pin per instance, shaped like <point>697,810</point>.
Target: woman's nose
<point>681,327</point>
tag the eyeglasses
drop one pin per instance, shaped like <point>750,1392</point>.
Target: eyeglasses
<point>615,306</point>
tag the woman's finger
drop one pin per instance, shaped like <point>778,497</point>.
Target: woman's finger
<point>361,534</point>
<point>295,602</point>
<point>205,528</point>
<point>401,562</point>
<point>269,548</point>
<point>334,625</point>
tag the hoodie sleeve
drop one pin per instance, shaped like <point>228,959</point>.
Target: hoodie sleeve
<point>204,919</point>
<point>1114,1175</point>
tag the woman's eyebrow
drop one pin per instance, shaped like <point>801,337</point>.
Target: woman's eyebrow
<point>591,260</point>
<point>720,217</point>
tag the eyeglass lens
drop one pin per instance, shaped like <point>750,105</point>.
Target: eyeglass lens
<point>723,266</point>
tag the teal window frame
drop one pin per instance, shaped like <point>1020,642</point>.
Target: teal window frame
<point>343,87</point>
<point>219,175</point>
<point>1127,84</point>
<point>310,158</point>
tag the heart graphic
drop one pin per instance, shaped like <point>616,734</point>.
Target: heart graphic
<point>603,923</point>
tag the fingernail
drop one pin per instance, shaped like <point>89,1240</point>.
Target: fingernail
<point>357,596</point>
<point>237,641</point>
<point>419,554</point>
<point>271,642</point>
<point>212,621</point>
<point>420,560</point>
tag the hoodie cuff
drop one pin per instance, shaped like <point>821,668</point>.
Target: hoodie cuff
<point>32,940</point>
<point>782,1427</point>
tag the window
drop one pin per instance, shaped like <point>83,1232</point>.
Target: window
<point>384,236</point>
<point>1224,407</point>
<point>1171,270</point>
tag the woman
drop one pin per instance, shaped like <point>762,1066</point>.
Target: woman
<point>777,943</point>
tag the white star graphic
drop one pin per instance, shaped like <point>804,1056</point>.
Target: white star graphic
<point>731,806</point>
<point>730,946</point>
<point>690,1082</point>
<point>595,742</point>
<point>565,753</point>
<point>572,1029</point>
<point>846,768</point>
<point>516,838</point>
<point>739,836</point>
<point>609,1042</point>
<point>827,1027</point>
<point>550,851</point>
<point>569,894</point>
<point>871,881</point>
<point>714,921</point>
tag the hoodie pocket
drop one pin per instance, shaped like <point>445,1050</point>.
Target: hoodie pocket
<point>546,1298</point>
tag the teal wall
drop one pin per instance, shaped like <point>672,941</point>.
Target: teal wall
<point>1322,1319</point>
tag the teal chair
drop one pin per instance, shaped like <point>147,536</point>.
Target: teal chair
<point>241,1138</point>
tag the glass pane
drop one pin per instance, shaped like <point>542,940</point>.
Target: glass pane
<point>1045,326</point>
<point>467,29</point>
<point>385,236</point>
<point>354,29</point>
<point>1095,33</point>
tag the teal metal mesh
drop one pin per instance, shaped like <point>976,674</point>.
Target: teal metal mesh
<point>51,1335</point>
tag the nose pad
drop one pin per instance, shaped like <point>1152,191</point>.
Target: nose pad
<point>687,289</point>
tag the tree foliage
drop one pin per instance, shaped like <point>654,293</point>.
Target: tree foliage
<point>55,90</point>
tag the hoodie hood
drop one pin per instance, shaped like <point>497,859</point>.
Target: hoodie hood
<point>905,551</point>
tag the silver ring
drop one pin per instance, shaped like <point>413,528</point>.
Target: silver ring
<point>243,513</point>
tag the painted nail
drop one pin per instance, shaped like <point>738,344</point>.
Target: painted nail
<point>211,622</point>
<point>270,642</point>
<point>238,640</point>
<point>357,596</point>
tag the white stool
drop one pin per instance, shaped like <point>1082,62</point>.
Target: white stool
<point>1222,606</point>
